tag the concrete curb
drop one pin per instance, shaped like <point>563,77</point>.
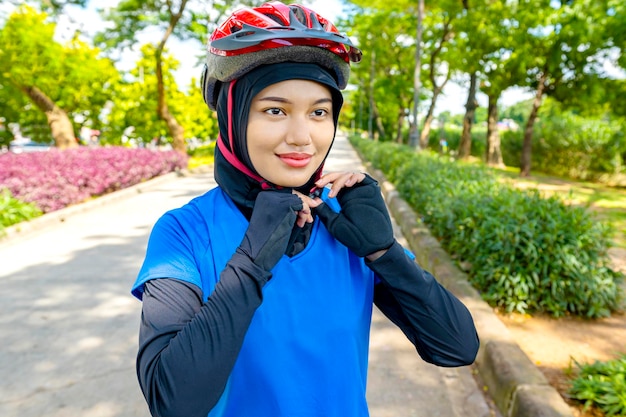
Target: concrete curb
<point>25,229</point>
<point>515,384</point>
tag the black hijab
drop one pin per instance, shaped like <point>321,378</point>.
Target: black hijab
<point>234,171</point>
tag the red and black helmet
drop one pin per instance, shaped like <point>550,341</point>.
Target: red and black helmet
<point>271,33</point>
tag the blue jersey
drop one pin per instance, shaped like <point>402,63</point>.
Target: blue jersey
<point>305,352</point>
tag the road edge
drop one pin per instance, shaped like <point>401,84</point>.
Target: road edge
<point>25,229</point>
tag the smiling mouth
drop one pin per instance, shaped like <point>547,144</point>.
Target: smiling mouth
<point>296,160</point>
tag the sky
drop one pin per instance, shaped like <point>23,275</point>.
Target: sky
<point>188,52</point>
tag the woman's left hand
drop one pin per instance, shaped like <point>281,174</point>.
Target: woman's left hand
<point>338,180</point>
<point>363,224</point>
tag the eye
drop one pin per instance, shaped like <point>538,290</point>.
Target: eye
<point>274,111</point>
<point>319,113</point>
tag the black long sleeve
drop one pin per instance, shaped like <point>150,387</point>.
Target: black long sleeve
<point>433,319</point>
<point>176,324</point>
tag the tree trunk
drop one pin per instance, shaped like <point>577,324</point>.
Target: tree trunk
<point>380,128</point>
<point>59,122</point>
<point>399,124</point>
<point>414,133</point>
<point>370,116</point>
<point>437,89</point>
<point>465,147</point>
<point>426,128</point>
<point>493,152</point>
<point>429,116</point>
<point>528,131</point>
<point>176,130</point>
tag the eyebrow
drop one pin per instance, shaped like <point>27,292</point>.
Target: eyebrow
<point>284,100</point>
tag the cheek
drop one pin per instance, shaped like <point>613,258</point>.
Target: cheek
<point>325,138</point>
<point>258,137</point>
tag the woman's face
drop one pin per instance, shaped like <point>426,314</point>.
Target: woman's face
<point>290,130</point>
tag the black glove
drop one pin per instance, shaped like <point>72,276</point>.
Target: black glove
<point>363,224</point>
<point>273,217</point>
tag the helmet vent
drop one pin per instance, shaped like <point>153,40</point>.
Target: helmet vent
<point>275,19</point>
<point>299,13</point>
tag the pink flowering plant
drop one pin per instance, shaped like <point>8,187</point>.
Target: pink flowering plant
<point>55,179</point>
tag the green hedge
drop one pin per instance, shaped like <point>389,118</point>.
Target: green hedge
<point>522,252</point>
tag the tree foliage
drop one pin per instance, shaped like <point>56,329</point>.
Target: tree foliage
<point>71,78</point>
<point>383,91</point>
<point>557,49</point>
<point>53,7</point>
<point>183,19</point>
<point>133,117</point>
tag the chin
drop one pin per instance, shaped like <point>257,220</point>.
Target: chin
<point>293,185</point>
<point>293,182</point>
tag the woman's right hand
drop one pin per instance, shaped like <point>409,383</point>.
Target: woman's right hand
<point>273,217</point>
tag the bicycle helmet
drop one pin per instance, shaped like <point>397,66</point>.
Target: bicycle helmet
<point>272,33</point>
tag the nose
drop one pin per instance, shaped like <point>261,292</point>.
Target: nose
<point>298,132</point>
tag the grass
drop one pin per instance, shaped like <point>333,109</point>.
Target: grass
<point>201,156</point>
<point>609,203</point>
<point>197,161</point>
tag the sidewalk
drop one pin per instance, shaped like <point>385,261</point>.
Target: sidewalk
<point>69,324</point>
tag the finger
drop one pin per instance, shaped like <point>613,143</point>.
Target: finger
<point>353,178</point>
<point>326,214</point>
<point>349,179</point>
<point>338,185</point>
<point>311,202</point>
<point>344,178</point>
<point>328,178</point>
<point>303,218</point>
<point>356,178</point>
<point>304,214</point>
<point>300,221</point>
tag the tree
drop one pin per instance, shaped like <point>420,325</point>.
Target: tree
<point>183,19</point>
<point>465,144</point>
<point>564,48</point>
<point>381,74</point>
<point>496,41</point>
<point>414,133</point>
<point>132,116</point>
<point>475,39</point>
<point>59,80</point>
<point>441,31</point>
<point>130,17</point>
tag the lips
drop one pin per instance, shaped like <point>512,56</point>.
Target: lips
<point>295,160</point>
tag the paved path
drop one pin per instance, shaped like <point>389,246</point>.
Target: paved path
<point>69,325</point>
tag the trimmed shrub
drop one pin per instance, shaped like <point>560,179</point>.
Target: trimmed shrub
<point>55,179</point>
<point>522,252</point>
<point>576,147</point>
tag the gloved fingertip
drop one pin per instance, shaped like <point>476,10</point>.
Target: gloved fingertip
<point>324,212</point>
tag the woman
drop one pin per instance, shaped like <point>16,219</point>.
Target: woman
<point>257,296</point>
